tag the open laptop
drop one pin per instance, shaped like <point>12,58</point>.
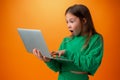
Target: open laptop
<point>34,39</point>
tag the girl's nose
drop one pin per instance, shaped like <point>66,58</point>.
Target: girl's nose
<point>69,26</point>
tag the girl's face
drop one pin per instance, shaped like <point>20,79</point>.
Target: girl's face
<point>73,23</point>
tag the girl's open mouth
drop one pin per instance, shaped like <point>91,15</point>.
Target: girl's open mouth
<point>71,30</point>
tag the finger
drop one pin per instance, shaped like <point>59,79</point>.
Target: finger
<point>46,59</point>
<point>55,53</point>
<point>35,53</point>
<point>43,58</point>
<point>52,53</point>
<point>40,57</point>
<point>60,53</point>
<point>39,54</point>
<point>34,50</point>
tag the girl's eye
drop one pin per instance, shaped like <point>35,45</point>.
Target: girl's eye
<point>66,21</point>
<point>71,21</point>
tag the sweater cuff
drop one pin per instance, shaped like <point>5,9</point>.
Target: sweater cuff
<point>66,52</point>
<point>50,62</point>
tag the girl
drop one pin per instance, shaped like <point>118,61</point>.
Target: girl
<point>84,46</point>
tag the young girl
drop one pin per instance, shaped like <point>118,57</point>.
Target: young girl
<point>84,46</point>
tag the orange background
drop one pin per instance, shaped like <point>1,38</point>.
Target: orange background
<point>48,15</point>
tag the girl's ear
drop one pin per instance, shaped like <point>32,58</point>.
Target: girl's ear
<point>84,20</point>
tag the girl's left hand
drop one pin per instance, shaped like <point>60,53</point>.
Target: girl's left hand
<point>57,53</point>
<point>39,55</point>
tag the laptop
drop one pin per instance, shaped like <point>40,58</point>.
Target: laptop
<point>33,38</point>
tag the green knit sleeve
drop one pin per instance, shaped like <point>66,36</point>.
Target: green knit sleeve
<point>90,58</point>
<point>53,65</point>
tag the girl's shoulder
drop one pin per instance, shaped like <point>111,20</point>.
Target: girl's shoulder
<point>67,38</point>
<point>97,35</point>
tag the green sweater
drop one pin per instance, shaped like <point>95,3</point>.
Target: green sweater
<point>86,59</point>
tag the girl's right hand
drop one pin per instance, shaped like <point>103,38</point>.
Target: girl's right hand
<point>38,54</point>
<point>57,53</point>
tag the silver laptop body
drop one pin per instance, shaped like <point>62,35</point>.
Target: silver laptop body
<point>34,39</point>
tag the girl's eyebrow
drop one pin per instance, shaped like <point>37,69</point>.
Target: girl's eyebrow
<point>71,18</point>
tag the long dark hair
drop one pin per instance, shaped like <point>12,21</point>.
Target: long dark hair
<point>81,11</point>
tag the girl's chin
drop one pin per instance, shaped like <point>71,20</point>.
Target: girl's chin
<point>74,34</point>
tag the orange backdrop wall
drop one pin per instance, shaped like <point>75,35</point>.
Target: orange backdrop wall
<point>48,15</point>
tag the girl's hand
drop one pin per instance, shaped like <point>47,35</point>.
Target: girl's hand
<point>57,53</point>
<point>38,54</point>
